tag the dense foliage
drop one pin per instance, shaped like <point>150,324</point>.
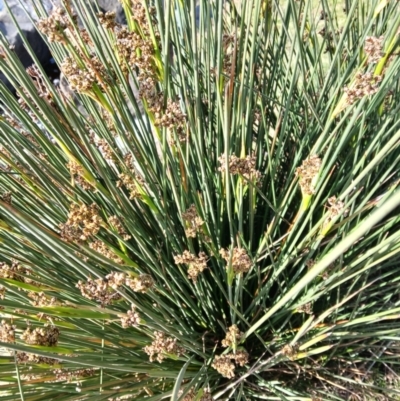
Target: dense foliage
<point>206,207</point>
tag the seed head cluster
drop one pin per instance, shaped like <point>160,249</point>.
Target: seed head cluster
<point>162,346</point>
<point>245,167</point>
<point>373,48</point>
<point>23,357</point>
<point>193,221</point>
<point>290,351</point>
<point>77,172</point>
<point>226,364</point>
<point>233,337</point>
<point>82,78</point>
<point>83,222</point>
<point>240,261</point>
<point>336,207</point>
<point>71,375</point>
<point>142,283</point>
<point>100,247</point>
<point>15,272</point>
<point>116,223</point>
<point>192,395</point>
<point>2,292</point>
<point>131,319</point>
<point>98,290</point>
<point>307,173</point>
<point>131,181</point>
<point>55,25</point>
<point>41,299</point>
<point>364,85</point>
<point>46,336</point>
<point>196,264</point>
<point>7,332</point>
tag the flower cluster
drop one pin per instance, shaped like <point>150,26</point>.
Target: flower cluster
<point>131,181</point>
<point>101,247</point>
<point>373,48</point>
<point>2,292</point>
<point>70,375</point>
<point>196,264</point>
<point>83,222</point>
<point>336,207</point>
<point>41,299</point>
<point>141,283</point>
<point>116,223</point>
<point>239,260</point>
<point>245,167</point>
<point>290,351</point>
<point>226,364</point>
<point>7,197</point>
<point>15,272</point>
<point>99,290</point>
<point>163,346</point>
<point>172,117</point>
<point>194,222</point>
<point>23,357</point>
<point>364,85</point>
<point>192,395</point>
<point>76,171</point>
<point>132,318</point>
<point>107,20</point>
<point>307,173</point>
<point>82,78</point>
<point>55,25</point>
<point>46,336</point>
<point>233,337</point>
<point>7,332</point>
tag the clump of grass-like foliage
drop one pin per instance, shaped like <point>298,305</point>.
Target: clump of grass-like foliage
<point>208,206</point>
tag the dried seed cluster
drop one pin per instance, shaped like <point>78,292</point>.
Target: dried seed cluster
<point>307,174</point>
<point>46,336</point>
<point>242,166</point>
<point>194,222</point>
<point>192,395</point>
<point>290,351</point>
<point>364,85</point>
<point>76,172</point>
<point>373,47</point>
<point>55,25</point>
<point>2,292</point>
<point>23,357</point>
<point>7,332</point>
<point>98,290</point>
<point>15,272</point>
<point>132,182</point>
<point>233,337</point>
<point>240,261</point>
<point>83,222</point>
<point>336,207</point>
<point>81,77</point>
<point>116,223</point>
<point>162,346</point>
<point>100,247</point>
<point>143,283</point>
<point>7,197</point>
<point>132,318</point>
<point>196,264</point>
<point>71,375</point>
<point>172,117</point>
<point>41,299</point>
<point>226,364</point>
<point>306,308</point>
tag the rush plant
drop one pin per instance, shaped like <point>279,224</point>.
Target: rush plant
<point>206,207</point>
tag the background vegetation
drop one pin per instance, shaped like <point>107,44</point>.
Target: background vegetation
<point>207,208</point>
